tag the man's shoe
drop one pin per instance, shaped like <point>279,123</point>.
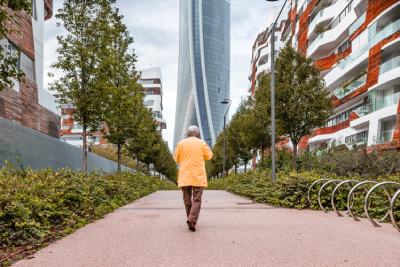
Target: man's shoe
<point>191,225</point>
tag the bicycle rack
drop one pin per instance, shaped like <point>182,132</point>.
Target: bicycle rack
<point>366,201</point>
<point>391,211</point>
<point>350,198</point>
<point>311,186</point>
<point>354,185</point>
<point>320,192</point>
<point>335,190</point>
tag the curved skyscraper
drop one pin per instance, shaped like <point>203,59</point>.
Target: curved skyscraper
<point>204,67</point>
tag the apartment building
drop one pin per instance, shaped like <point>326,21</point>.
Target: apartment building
<point>71,131</point>
<point>151,81</point>
<point>356,45</point>
<point>261,53</point>
<point>27,102</point>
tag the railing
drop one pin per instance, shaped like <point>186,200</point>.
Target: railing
<point>357,24</point>
<point>363,110</point>
<point>386,32</point>
<point>354,188</point>
<point>390,64</point>
<point>342,92</point>
<point>315,42</point>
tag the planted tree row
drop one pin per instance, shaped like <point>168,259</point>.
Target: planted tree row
<point>97,76</point>
<point>302,104</point>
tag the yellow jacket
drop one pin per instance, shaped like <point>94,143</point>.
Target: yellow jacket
<point>191,154</point>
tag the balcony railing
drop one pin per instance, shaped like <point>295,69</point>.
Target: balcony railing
<point>357,24</point>
<point>342,92</point>
<point>384,33</point>
<point>390,64</point>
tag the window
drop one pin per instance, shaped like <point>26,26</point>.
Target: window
<point>24,63</point>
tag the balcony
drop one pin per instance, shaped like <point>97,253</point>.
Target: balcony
<point>341,92</point>
<point>390,64</point>
<point>336,31</point>
<point>357,24</point>
<point>358,139</point>
<point>387,31</point>
<point>325,15</point>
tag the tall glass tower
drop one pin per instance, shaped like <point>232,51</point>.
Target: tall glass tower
<point>204,67</point>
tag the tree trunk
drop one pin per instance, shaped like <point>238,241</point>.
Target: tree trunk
<point>235,168</point>
<point>119,152</point>
<point>137,163</point>
<point>245,166</point>
<point>148,168</point>
<point>294,158</point>
<point>262,158</point>
<point>85,154</point>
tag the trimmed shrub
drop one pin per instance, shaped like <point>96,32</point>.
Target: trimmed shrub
<point>38,205</point>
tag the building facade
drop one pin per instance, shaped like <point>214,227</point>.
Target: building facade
<point>204,67</point>
<point>151,81</point>
<point>356,46</point>
<point>28,103</point>
<point>261,53</point>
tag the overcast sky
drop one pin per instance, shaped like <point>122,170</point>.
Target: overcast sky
<point>154,24</point>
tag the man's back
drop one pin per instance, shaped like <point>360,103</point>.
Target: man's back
<point>191,154</point>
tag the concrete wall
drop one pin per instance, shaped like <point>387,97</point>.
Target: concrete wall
<point>21,145</point>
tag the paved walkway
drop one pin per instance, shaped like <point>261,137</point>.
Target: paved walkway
<point>231,232</point>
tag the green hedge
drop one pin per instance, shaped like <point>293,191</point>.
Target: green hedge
<point>38,205</point>
<point>290,190</point>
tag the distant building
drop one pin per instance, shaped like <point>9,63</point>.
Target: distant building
<point>151,81</point>
<point>204,67</point>
<point>71,131</point>
<point>28,103</point>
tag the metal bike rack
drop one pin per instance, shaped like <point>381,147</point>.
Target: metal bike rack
<point>350,197</point>
<point>320,193</point>
<point>335,190</point>
<point>311,186</point>
<point>366,201</point>
<point>391,211</point>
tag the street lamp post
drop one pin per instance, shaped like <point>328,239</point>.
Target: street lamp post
<point>225,102</point>
<point>272,33</point>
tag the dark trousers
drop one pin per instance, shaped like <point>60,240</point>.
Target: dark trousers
<point>192,199</point>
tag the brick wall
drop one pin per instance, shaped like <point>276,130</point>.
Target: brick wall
<point>23,107</point>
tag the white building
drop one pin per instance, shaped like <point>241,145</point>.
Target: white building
<point>356,45</point>
<point>261,54</point>
<point>151,81</point>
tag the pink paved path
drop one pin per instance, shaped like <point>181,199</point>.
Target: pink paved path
<point>231,232</point>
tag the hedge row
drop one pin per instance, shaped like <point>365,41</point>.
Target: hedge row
<point>38,205</point>
<point>290,190</point>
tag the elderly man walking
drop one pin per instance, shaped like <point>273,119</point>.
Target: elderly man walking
<point>190,155</point>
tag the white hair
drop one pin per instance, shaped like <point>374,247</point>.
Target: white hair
<point>193,130</point>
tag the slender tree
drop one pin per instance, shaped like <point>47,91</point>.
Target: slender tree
<point>239,134</point>
<point>302,100</point>
<point>260,116</point>
<point>9,59</point>
<point>79,52</point>
<point>124,101</point>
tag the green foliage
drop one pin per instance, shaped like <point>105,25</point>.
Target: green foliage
<point>8,61</point>
<point>290,190</point>
<point>302,100</point>
<point>36,205</point>
<point>360,162</point>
